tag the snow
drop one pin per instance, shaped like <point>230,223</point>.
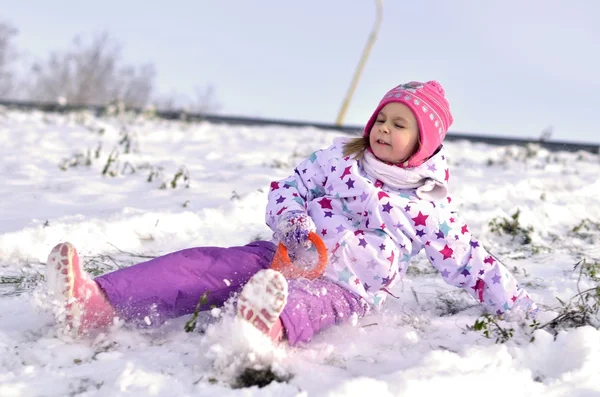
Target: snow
<point>421,344</point>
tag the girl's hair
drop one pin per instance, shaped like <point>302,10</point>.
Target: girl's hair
<point>356,147</point>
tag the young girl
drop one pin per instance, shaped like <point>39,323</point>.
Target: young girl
<point>376,201</point>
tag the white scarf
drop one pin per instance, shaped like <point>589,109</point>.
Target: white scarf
<point>427,188</point>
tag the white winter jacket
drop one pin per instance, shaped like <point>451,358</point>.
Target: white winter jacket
<point>372,230</point>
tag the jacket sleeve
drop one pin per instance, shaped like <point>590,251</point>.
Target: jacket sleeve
<point>292,193</point>
<point>463,262</point>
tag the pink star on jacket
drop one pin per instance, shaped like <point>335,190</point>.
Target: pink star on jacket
<point>391,258</point>
<point>325,203</point>
<point>451,220</point>
<point>420,219</point>
<point>446,252</point>
<point>337,246</point>
<point>281,210</point>
<point>464,229</point>
<point>489,260</point>
<point>447,175</point>
<point>357,232</point>
<point>274,186</point>
<point>357,281</point>
<point>323,232</point>
<point>346,172</point>
<point>381,194</point>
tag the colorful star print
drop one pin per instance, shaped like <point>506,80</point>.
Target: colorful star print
<point>391,258</point>
<point>489,260</point>
<point>346,172</point>
<point>381,194</point>
<point>420,219</point>
<point>446,252</point>
<point>325,203</point>
<point>345,275</point>
<point>445,228</point>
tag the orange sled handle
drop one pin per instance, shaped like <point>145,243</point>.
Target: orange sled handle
<point>282,263</point>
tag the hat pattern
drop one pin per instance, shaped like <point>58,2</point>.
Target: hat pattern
<point>431,109</point>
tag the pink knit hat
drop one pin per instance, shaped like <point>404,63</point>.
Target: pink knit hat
<point>431,109</point>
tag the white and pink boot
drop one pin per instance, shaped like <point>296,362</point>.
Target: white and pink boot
<point>262,300</point>
<point>81,305</point>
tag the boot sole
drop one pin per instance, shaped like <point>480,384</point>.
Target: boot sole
<point>263,299</point>
<point>61,275</point>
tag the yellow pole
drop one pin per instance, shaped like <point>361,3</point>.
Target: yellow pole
<point>361,63</point>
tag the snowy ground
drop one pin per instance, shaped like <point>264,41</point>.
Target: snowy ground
<point>422,344</point>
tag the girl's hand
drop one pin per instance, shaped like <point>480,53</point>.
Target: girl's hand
<point>525,309</point>
<point>293,228</point>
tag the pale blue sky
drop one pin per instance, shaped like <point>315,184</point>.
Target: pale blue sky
<point>510,67</point>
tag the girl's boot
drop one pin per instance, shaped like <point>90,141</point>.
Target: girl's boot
<point>262,300</point>
<point>82,306</point>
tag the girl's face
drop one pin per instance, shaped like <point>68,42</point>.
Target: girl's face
<point>394,136</point>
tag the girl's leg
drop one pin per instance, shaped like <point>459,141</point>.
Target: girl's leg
<point>313,306</point>
<point>171,285</point>
<point>156,290</point>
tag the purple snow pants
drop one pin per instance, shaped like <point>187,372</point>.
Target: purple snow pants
<point>171,286</point>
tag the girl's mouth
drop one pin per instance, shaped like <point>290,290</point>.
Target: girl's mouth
<point>379,141</point>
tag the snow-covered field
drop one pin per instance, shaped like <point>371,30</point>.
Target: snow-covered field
<point>422,344</point>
